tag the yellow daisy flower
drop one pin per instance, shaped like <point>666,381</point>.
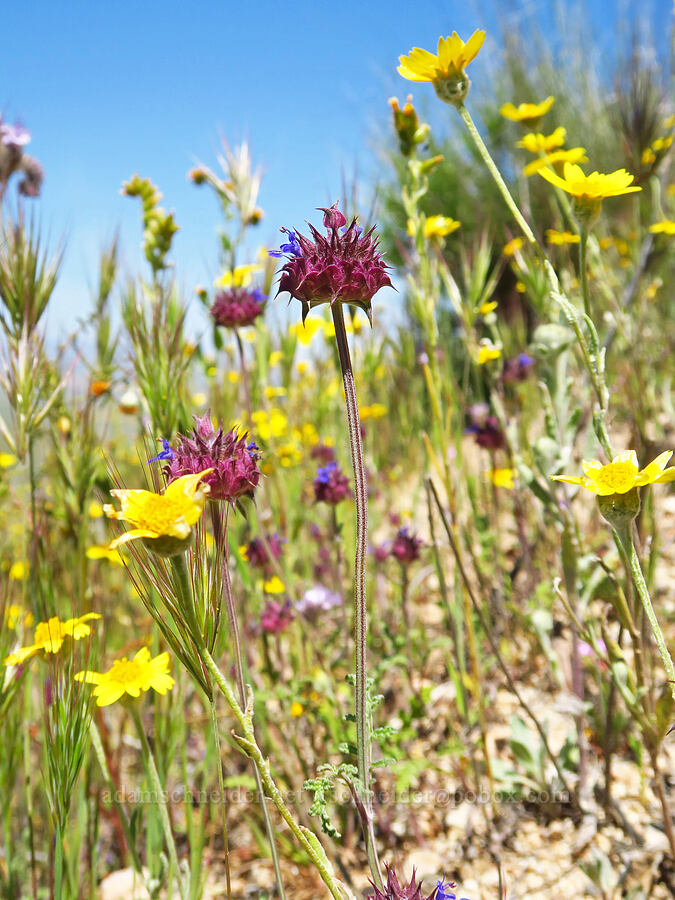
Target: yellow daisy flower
<point>97,552</point>
<point>435,226</point>
<point>130,676</point>
<point>297,709</point>
<point>527,112</point>
<point>621,475</point>
<point>241,276</point>
<point>49,637</point>
<point>487,352</point>
<point>503,478</point>
<point>667,226</point>
<point>543,143</point>
<point>486,308</point>
<point>7,460</point>
<point>595,186</point>
<point>274,585</point>
<point>571,155</point>
<point>445,70</point>
<point>163,521</point>
<point>513,246</point>
<point>561,237</point>
<point>15,616</point>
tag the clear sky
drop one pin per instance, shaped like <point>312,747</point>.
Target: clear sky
<point>109,89</point>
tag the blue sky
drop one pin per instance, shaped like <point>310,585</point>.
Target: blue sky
<point>112,89</point>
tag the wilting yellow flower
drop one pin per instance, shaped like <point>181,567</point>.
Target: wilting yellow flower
<point>163,521</point>
<point>561,237</point>
<point>648,157</point>
<point>274,585</point>
<point>572,155</point>
<point>97,552</point>
<point>503,478</point>
<point>543,143</point>
<point>7,460</point>
<point>374,411</point>
<point>435,226</point>
<point>667,226</point>
<point>130,676</point>
<point>595,186</point>
<point>49,637</point>
<point>622,474</point>
<point>445,70</point>
<point>15,615</point>
<point>513,246</point>
<point>241,276</point>
<point>97,388</point>
<point>487,352</point>
<point>527,112</point>
<point>129,402</point>
<point>486,308</point>
<point>18,570</point>
<point>297,709</point>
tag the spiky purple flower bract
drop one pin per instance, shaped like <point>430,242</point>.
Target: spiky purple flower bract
<point>331,485</point>
<point>233,460</point>
<point>344,265</point>
<point>393,890</point>
<point>406,546</point>
<point>518,368</point>
<point>237,307</point>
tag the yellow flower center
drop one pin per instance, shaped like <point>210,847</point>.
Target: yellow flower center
<point>619,477</point>
<point>126,672</point>
<point>159,512</point>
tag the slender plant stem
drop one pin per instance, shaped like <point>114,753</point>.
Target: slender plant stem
<point>97,744</point>
<point>626,538</point>
<point>494,171</point>
<point>583,266</point>
<point>160,799</point>
<point>221,789</point>
<point>360,604</point>
<point>493,644</point>
<point>248,743</point>
<point>220,537</point>
<point>244,374</point>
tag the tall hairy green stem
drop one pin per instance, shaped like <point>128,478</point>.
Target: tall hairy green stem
<point>624,533</point>
<point>360,605</point>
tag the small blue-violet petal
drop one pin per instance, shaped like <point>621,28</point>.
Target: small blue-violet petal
<point>166,453</point>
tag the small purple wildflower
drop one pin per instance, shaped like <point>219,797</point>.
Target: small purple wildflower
<point>488,433</point>
<point>518,368</point>
<point>317,599</point>
<point>344,265</point>
<point>406,546</point>
<point>276,617</point>
<point>444,890</point>
<point>331,485</point>
<point>292,247</point>
<point>237,307</point>
<point>166,453</point>
<point>257,553</point>
<point>233,459</point>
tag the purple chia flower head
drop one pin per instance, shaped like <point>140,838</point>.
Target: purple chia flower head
<point>14,136</point>
<point>33,176</point>
<point>381,551</point>
<point>344,265</point>
<point>518,368</point>
<point>257,553</point>
<point>316,600</point>
<point>406,546</point>
<point>393,890</point>
<point>233,459</point>
<point>276,617</point>
<point>331,485</point>
<point>488,433</point>
<point>237,307</point>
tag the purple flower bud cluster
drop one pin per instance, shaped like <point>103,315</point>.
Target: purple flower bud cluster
<point>237,307</point>
<point>345,265</point>
<point>233,459</point>
<point>485,428</point>
<point>517,368</point>
<point>331,485</point>
<point>257,553</point>
<point>406,546</point>
<point>276,617</point>
<point>393,890</point>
